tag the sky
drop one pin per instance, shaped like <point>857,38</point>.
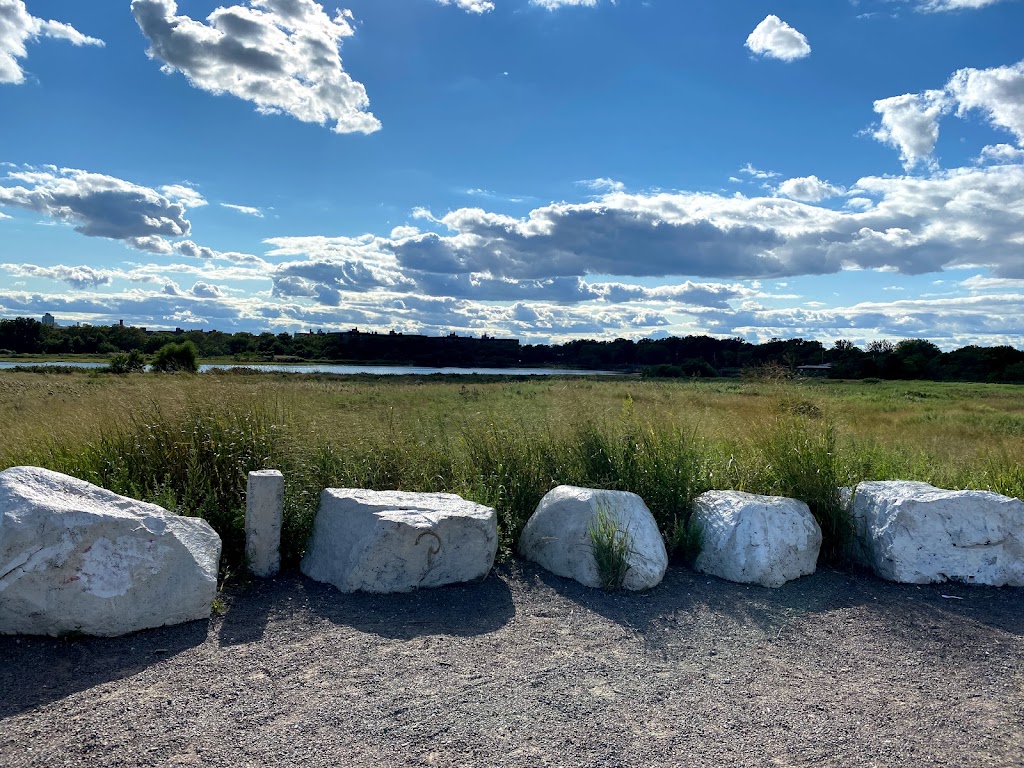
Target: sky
<point>543,169</point>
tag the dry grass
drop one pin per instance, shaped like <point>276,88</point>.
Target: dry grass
<point>187,441</point>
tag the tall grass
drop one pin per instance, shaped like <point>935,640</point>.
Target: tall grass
<point>189,444</point>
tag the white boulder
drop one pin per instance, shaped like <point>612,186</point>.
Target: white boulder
<point>396,541</point>
<point>766,540</point>
<point>915,533</point>
<point>77,558</point>
<point>558,535</point>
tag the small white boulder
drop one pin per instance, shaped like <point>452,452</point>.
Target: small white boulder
<point>78,558</point>
<point>915,533</point>
<point>557,535</point>
<point>750,539</point>
<point>397,541</point>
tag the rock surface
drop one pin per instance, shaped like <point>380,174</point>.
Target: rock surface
<point>766,540</point>
<point>915,533</point>
<point>77,558</point>
<point>557,535</point>
<point>395,541</point>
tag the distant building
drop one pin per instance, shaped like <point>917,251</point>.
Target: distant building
<point>49,321</point>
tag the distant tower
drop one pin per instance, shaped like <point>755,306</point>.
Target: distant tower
<point>49,321</point>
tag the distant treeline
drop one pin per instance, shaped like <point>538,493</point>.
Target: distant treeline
<point>671,357</point>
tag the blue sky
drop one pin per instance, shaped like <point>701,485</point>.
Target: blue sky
<point>548,169</point>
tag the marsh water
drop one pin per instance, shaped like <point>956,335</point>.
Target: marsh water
<point>375,370</point>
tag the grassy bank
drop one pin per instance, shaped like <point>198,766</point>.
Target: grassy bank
<point>188,442</point>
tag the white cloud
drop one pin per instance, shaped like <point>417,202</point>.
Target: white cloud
<point>910,123</point>
<point>99,206</point>
<point>997,92</point>
<point>937,6</point>
<point>810,189</point>
<point>602,185</point>
<point>552,5</point>
<point>18,26</point>
<point>76,277</point>
<point>194,251</point>
<point>949,321</point>
<point>184,194</point>
<point>282,55</point>
<point>1001,154</point>
<point>774,38</point>
<point>203,290</point>
<point>954,218</point>
<point>473,6</point>
<point>757,173</point>
<point>246,209</point>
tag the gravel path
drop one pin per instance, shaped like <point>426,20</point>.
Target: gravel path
<point>526,669</point>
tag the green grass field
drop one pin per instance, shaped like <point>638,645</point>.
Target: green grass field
<point>187,442</point>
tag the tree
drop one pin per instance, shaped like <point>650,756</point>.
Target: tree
<point>128,362</point>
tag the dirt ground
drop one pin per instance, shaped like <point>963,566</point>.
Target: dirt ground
<point>527,669</point>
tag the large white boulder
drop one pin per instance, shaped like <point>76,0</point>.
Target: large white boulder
<point>558,535</point>
<point>766,540</point>
<point>915,533</point>
<point>396,541</point>
<point>77,558</point>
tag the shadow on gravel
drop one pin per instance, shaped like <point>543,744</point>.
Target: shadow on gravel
<point>245,620</point>
<point>685,594</point>
<point>35,671</point>
<point>462,610</point>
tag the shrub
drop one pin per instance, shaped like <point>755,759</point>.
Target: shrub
<point>127,362</point>
<point>176,358</point>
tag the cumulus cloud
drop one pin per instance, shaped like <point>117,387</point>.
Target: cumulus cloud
<point>281,55</point>
<point>998,93</point>
<point>914,225</point>
<point>203,290</point>
<point>1001,154</point>
<point>810,189</point>
<point>99,206</point>
<point>473,6</point>
<point>910,122</point>
<point>18,27</point>
<point>773,38</point>
<point>248,210</point>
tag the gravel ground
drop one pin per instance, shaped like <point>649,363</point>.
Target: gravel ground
<point>527,669</point>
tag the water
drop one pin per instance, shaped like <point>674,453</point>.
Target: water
<point>376,370</point>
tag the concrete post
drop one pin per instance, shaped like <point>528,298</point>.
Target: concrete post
<point>264,507</point>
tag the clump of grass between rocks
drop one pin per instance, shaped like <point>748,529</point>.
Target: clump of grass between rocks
<point>611,547</point>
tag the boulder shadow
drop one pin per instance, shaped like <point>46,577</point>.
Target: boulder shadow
<point>37,671</point>
<point>906,609</point>
<point>461,610</point>
<point>684,592</point>
<point>249,606</point>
